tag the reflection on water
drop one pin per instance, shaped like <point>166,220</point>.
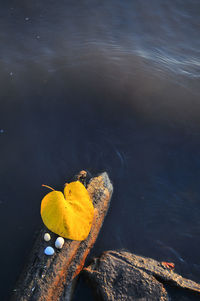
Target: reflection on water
<point>102,86</point>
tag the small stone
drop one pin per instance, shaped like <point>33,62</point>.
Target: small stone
<point>49,251</point>
<point>47,237</point>
<point>59,242</point>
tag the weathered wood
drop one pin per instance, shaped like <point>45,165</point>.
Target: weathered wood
<point>126,276</point>
<point>50,278</point>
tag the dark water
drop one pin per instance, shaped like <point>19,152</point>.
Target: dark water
<point>102,85</point>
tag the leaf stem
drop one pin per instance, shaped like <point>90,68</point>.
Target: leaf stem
<point>47,187</point>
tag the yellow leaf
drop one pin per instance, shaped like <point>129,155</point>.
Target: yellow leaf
<point>70,214</point>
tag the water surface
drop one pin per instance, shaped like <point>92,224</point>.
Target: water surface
<point>102,86</point>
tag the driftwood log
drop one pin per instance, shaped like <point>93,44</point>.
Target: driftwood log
<point>51,278</point>
<point>126,276</point>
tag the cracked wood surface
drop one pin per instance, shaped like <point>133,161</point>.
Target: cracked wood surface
<point>126,276</point>
<point>50,278</point>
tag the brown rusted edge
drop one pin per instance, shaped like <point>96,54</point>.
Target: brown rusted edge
<point>50,278</point>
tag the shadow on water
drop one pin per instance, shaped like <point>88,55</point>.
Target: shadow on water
<point>76,96</point>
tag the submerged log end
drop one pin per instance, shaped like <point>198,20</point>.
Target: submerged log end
<point>121,275</point>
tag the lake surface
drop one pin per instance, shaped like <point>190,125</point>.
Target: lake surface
<point>102,85</point>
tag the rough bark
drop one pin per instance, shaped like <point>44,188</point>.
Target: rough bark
<point>125,276</point>
<point>50,278</point>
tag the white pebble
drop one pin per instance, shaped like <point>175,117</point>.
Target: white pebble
<point>59,242</point>
<point>47,237</point>
<point>49,251</point>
